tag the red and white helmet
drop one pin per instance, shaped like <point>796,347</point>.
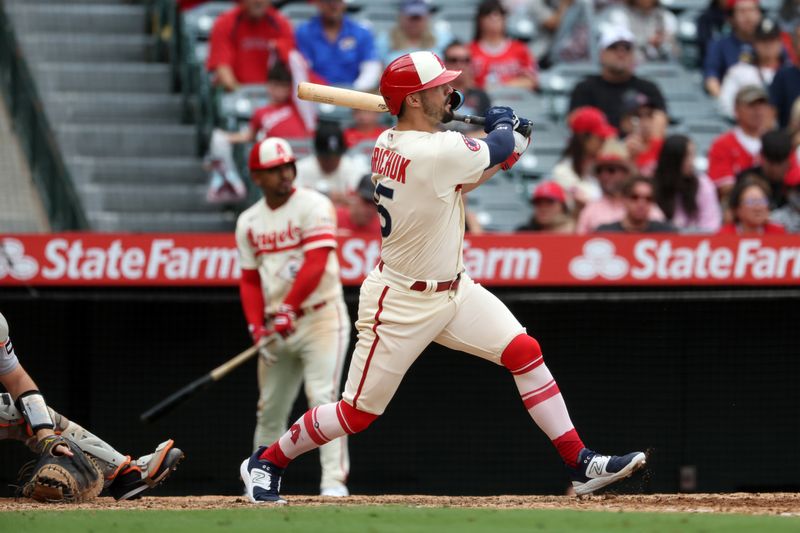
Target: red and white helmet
<point>411,73</point>
<point>269,153</point>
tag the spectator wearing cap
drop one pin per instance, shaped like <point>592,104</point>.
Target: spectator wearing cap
<point>727,50</point>
<point>605,90</point>
<point>749,205</point>
<point>766,61</point>
<point>642,138</point>
<point>687,199</point>
<point>457,56</point>
<point>613,169</point>
<point>654,28</point>
<point>573,173</point>
<point>777,158</point>
<point>360,215</point>
<point>413,32</point>
<point>785,88</point>
<point>338,49</point>
<point>245,40</point>
<point>740,148</point>
<point>330,170</point>
<point>637,208</point>
<point>550,211</point>
<point>789,215</point>
<point>496,58</point>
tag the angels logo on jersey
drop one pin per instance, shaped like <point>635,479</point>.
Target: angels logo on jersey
<point>471,143</point>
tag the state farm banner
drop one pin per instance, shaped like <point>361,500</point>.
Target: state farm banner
<point>192,259</point>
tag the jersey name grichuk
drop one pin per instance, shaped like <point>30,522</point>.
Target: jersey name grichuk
<point>390,164</point>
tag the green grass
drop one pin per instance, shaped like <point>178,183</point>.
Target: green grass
<point>381,519</point>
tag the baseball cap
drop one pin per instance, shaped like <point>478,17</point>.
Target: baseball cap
<point>549,190</point>
<point>767,30</point>
<point>366,189</point>
<point>418,8</point>
<point>589,119</point>
<point>792,178</point>
<point>615,34</point>
<point>732,3</point>
<point>613,151</point>
<point>751,94</point>
<point>633,101</point>
<point>329,139</point>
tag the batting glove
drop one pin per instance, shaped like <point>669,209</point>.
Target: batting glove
<point>497,115</point>
<point>521,144</point>
<point>261,337</point>
<point>283,320</point>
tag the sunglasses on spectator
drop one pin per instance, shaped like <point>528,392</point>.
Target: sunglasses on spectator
<point>621,46</point>
<point>755,202</point>
<point>636,197</point>
<point>457,59</point>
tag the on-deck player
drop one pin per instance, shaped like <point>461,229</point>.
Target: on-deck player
<point>25,416</point>
<point>419,292</point>
<point>290,276</point>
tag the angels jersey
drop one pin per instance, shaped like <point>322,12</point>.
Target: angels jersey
<point>418,178</point>
<point>274,242</point>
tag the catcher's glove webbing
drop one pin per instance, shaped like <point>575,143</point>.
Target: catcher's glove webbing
<point>63,478</point>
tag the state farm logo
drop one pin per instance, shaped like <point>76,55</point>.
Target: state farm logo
<point>14,262</point>
<point>599,259</point>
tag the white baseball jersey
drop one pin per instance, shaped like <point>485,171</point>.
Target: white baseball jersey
<point>420,202</point>
<point>274,241</point>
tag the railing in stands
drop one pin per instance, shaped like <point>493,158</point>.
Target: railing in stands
<point>61,202</point>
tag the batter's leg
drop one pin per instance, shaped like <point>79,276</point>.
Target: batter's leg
<point>278,387</point>
<point>323,361</point>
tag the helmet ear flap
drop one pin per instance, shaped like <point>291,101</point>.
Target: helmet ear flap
<point>456,100</point>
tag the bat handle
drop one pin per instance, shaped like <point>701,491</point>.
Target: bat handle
<point>525,130</point>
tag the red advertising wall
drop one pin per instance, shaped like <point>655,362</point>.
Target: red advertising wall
<point>192,259</point>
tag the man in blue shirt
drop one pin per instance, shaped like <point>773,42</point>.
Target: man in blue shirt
<point>338,49</point>
<point>785,88</point>
<point>726,51</point>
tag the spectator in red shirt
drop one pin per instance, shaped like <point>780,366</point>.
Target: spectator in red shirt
<point>749,204</point>
<point>740,147</point>
<point>497,59</point>
<point>643,137</point>
<point>360,215</point>
<point>550,212</point>
<point>244,39</point>
<point>366,127</point>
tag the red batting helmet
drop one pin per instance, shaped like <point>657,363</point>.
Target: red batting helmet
<point>411,73</point>
<point>269,153</point>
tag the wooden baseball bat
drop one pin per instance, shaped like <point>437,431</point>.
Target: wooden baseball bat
<point>184,393</point>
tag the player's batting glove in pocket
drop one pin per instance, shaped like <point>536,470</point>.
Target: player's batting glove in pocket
<point>283,321</point>
<point>497,115</point>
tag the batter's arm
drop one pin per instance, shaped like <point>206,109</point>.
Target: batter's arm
<point>488,173</point>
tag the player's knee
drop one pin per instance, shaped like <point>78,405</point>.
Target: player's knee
<point>355,420</point>
<point>522,354</point>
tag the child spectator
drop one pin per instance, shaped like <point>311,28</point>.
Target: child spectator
<point>550,212</point>
<point>687,199</point>
<point>339,50</point>
<point>726,51</point>
<point>749,205</point>
<point>642,136</point>
<point>637,201</point>
<point>243,41</point>
<point>412,33</point>
<point>496,58</point>
<point>789,215</point>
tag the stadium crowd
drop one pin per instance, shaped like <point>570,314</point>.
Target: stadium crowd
<point>626,163</point>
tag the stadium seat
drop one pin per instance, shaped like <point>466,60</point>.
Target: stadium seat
<point>298,13</point>
<point>524,102</point>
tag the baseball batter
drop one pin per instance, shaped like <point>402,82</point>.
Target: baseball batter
<point>419,292</point>
<point>290,285</point>
<point>25,416</point>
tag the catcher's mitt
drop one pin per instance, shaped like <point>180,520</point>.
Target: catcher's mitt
<point>63,478</point>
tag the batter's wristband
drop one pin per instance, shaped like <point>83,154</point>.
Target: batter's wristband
<point>34,410</point>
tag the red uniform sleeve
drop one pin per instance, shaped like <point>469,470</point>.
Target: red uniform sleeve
<point>308,277</point>
<point>221,50</point>
<point>252,297</point>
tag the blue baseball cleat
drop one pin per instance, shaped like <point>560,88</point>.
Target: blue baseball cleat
<point>262,479</point>
<point>595,471</point>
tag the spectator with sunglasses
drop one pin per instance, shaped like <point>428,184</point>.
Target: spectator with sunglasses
<point>749,206</point>
<point>612,169</point>
<point>637,201</point>
<point>457,56</point>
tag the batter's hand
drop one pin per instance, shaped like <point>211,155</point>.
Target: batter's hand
<point>283,320</point>
<point>261,337</point>
<point>521,144</point>
<point>497,115</point>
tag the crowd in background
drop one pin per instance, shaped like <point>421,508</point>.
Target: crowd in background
<point>621,169</point>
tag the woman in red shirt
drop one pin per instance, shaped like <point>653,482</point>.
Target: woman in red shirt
<point>749,204</point>
<point>497,59</point>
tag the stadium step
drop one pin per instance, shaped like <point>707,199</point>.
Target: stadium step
<point>144,140</point>
<point>76,17</point>
<point>128,198</point>
<point>104,77</point>
<point>103,108</point>
<point>162,222</point>
<point>138,170</point>
<point>88,47</point>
